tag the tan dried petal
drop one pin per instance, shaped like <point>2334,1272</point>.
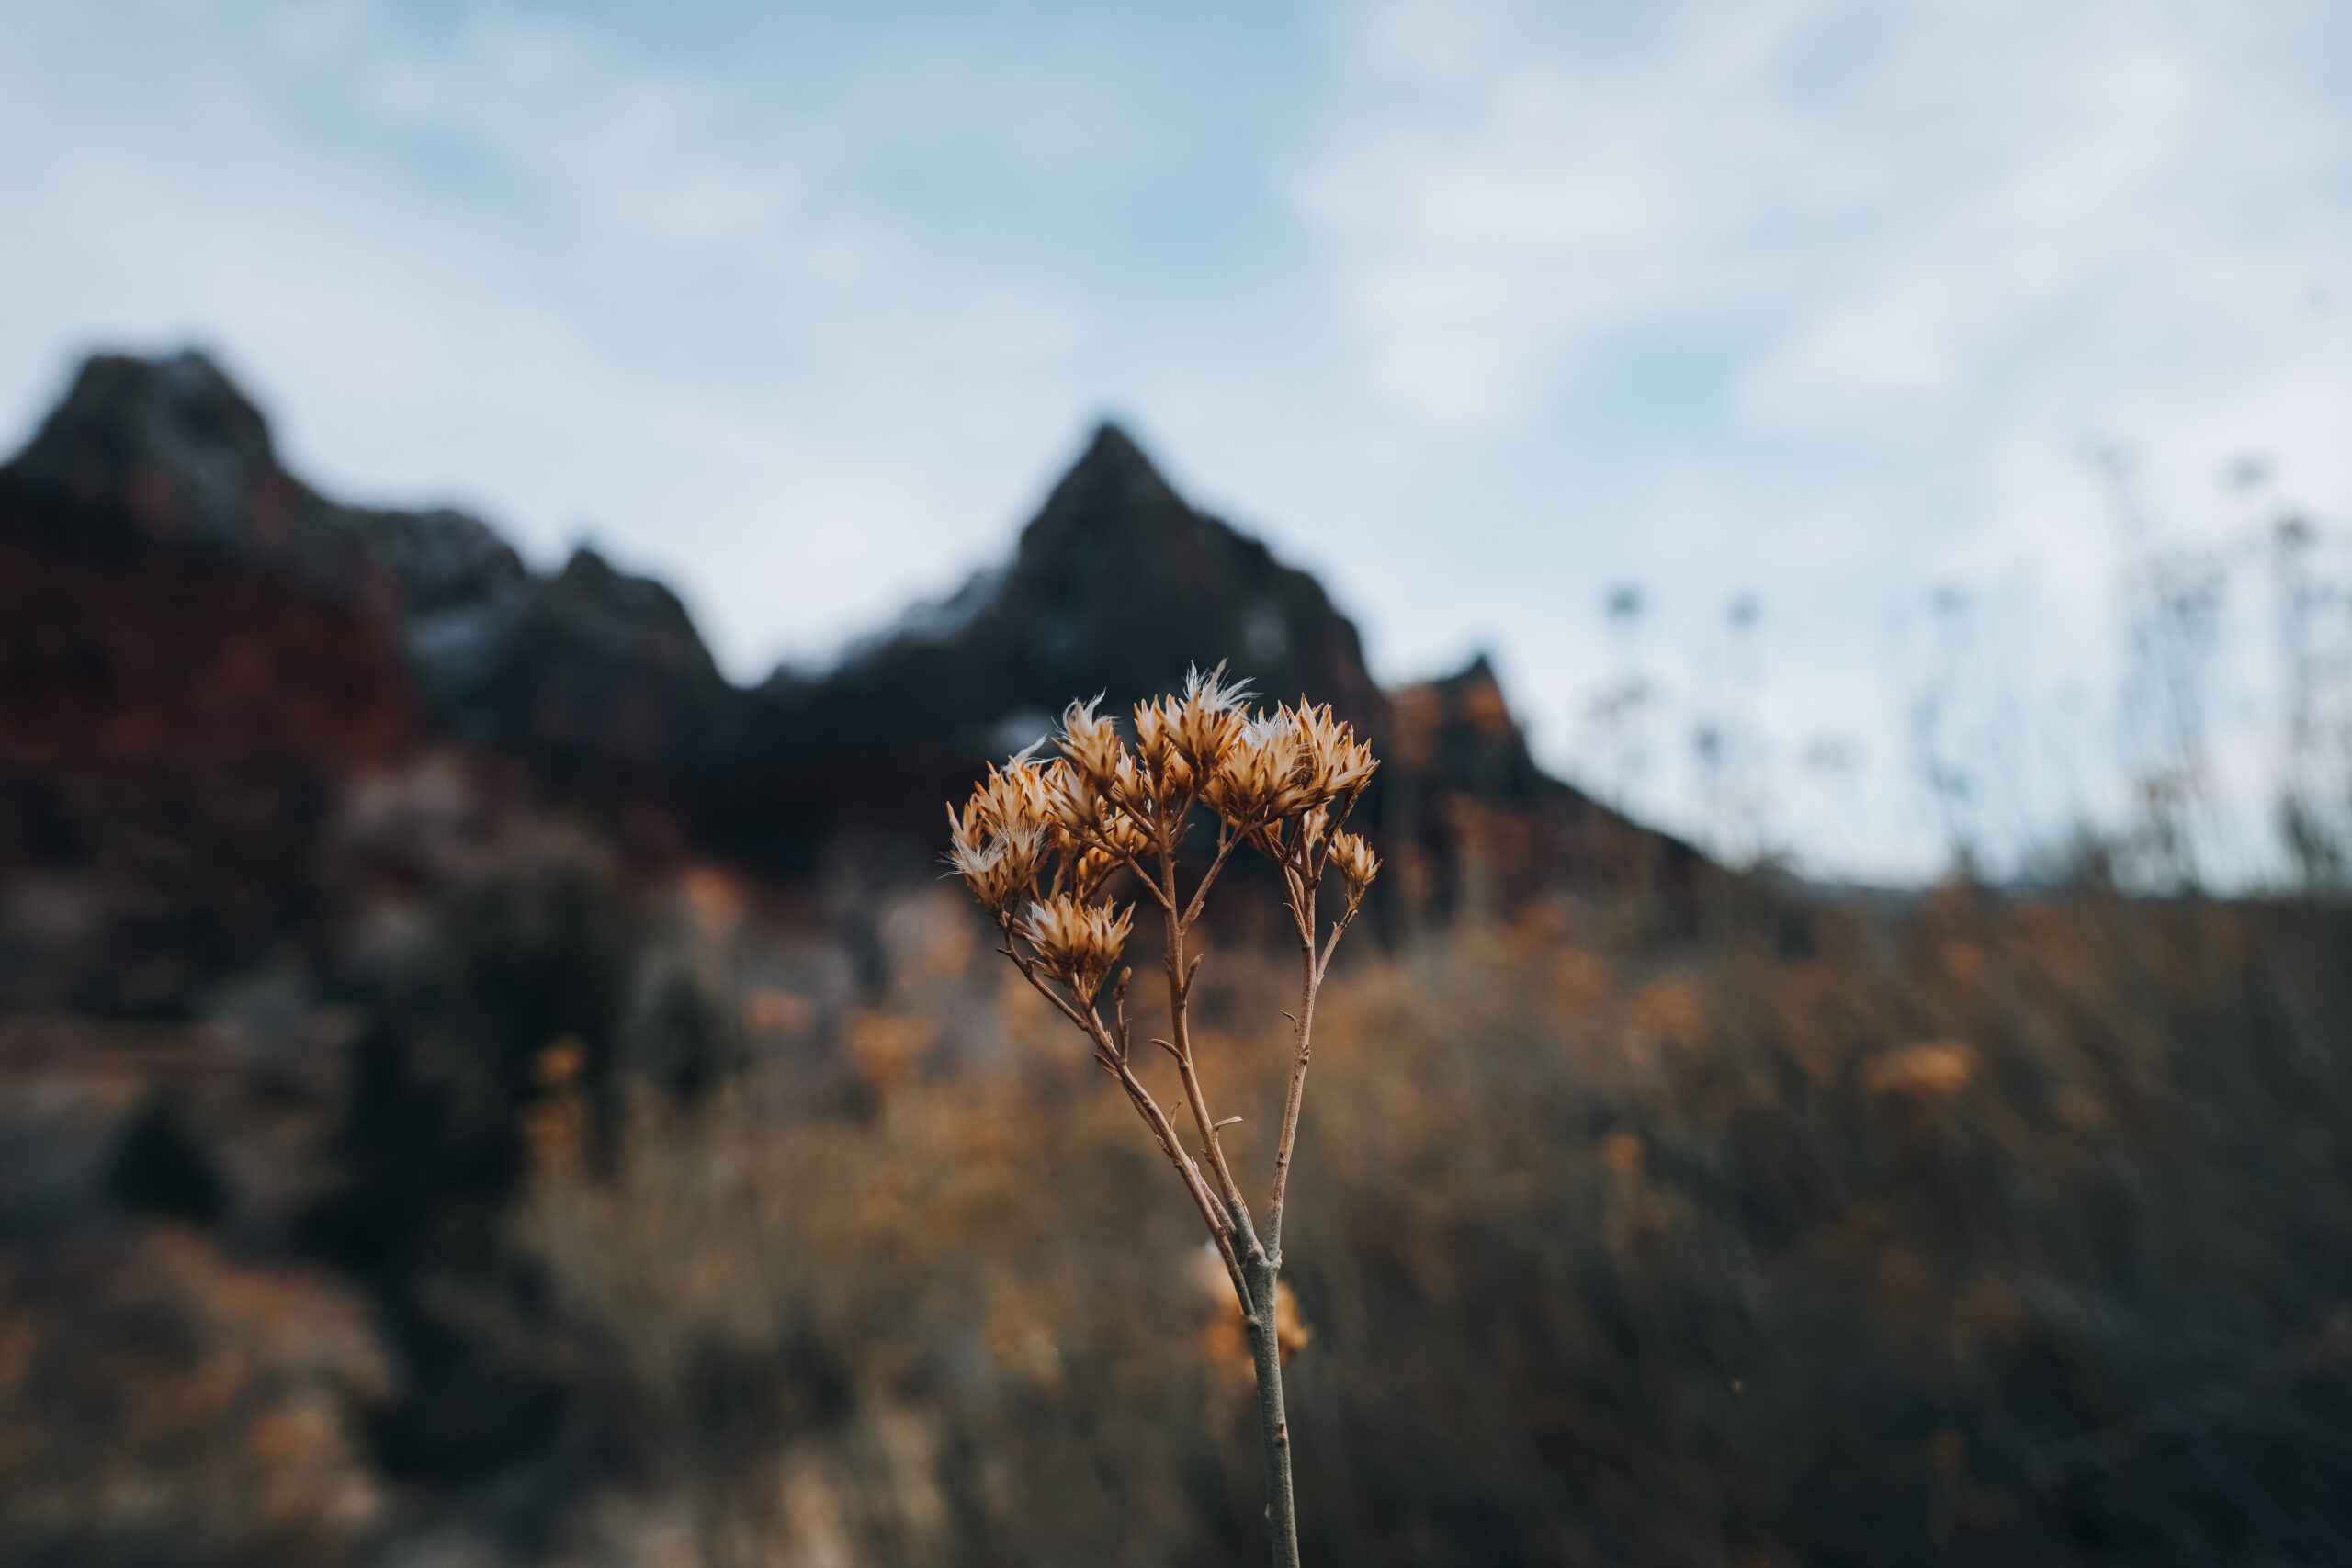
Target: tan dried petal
<point>1134,789</point>
<point>1155,730</point>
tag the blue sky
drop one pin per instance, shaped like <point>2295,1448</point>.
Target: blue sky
<point>1474,308</point>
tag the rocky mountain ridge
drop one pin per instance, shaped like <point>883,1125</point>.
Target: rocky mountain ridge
<point>304,627</point>
<point>167,464</point>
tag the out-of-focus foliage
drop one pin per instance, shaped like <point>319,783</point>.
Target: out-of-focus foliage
<point>1967,1230</point>
<point>1991,1233</point>
<point>160,1404</point>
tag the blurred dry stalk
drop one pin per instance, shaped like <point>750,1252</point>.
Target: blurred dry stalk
<point>874,1342</point>
<point>1971,1230</point>
<point>1039,841</point>
<point>162,1401</point>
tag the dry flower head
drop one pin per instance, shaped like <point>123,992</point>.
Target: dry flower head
<point>1075,941</point>
<point>1037,829</point>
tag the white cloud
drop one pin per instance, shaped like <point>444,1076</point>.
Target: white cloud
<point>1893,203</point>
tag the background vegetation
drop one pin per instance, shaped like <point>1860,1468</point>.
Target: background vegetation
<point>1965,1228</point>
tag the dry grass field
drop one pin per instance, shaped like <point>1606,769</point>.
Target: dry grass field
<point>1979,1232</point>
<point>1967,1230</point>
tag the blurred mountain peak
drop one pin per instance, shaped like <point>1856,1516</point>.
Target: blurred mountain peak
<point>174,403</point>
<point>1110,445</point>
<point>1116,585</point>
<point>1114,468</point>
<point>165,471</point>
<point>172,583</point>
<point>173,439</point>
<point>1112,510</point>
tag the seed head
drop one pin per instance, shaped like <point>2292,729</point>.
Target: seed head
<point>1089,819</point>
<point>1077,941</point>
<point>1337,763</point>
<point>1016,796</point>
<point>1072,800</point>
<point>1165,774</point>
<point>1126,837</point>
<point>1261,778</point>
<point>1000,843</point>
<point>1204,721</point>
<point>1151,785</point>
<point>1091,742</point>
<point>998,867</point>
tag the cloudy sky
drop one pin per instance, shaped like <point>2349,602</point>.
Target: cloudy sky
<point>1871,340</point>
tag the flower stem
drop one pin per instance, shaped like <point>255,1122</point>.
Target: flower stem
<point>1273,1427</point>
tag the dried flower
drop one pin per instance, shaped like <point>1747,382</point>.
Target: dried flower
<point>1077,941</point>
<point>999,867</point>
<point>1001,842</point>
<point>1257,779</point>
<point>1088,870</point>
<point>1285,781</point>
<point>1162,782</point>
<point>1336,762</point>
<point>1209,716</point>
<point>1091,743</point>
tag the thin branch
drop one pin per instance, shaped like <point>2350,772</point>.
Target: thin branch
<point>1310,982</point>
<point>1166,900</point>
<point>1220,1228</point>
<point>1215,1147</point>
<point>1086,1022</point>
<point>1323,964</point>
<point>1162,1129</point>
<point>1340,818</point>
<point>1119,1008</point>
<point>1227,843</point>
<point>1300,891</point>
<point>1180,1028</point>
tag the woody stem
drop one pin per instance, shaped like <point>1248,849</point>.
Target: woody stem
<point>1180,1047</point>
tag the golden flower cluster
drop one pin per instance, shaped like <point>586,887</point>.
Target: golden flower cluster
<point>1040,838</point>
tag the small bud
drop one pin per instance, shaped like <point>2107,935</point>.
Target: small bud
<point>1355,862</point>
<point>1311,828</point>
